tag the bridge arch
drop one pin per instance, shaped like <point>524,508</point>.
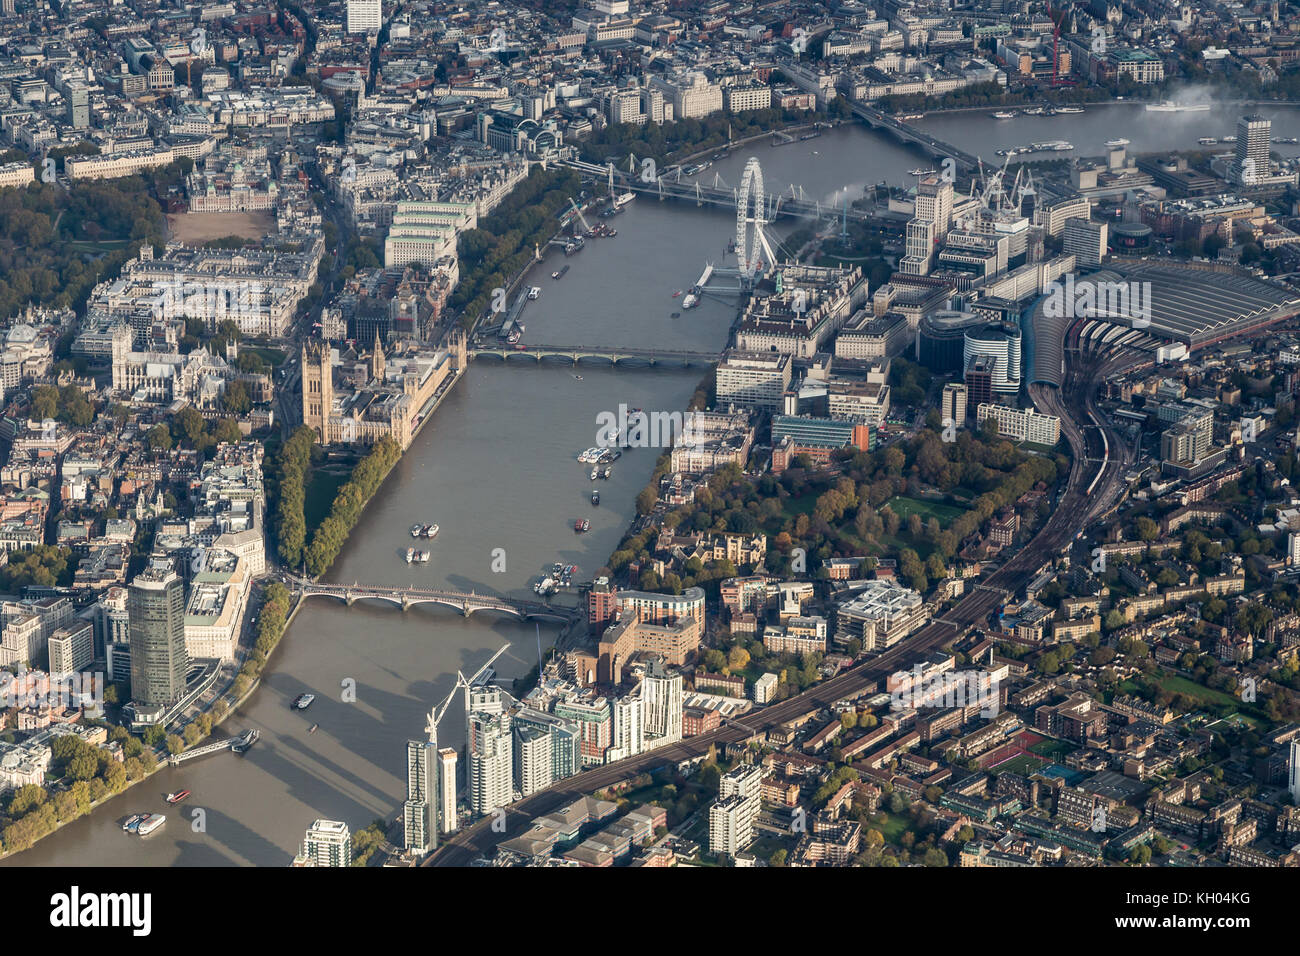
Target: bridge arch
<point>352,596</point>
<point>464,603</point>
<point>547,616</point>
<point>470,611</point>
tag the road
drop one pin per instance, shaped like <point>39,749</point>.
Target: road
<point>1077,507</point>
<point>288,404</point>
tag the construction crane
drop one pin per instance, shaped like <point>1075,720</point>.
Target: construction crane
<point>460,678</point>
<point>1057,79</point>
<point>436,715</point>
<point>586,226</point>
<point>461,681</point>
<point>990,186</point>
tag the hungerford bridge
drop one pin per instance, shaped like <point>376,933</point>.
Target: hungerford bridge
<point>466,602</point>
<point>790,203</point>
<point>772,207</point>
<point>754,210</point>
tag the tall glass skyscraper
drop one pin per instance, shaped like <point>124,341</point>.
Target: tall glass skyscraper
<point>156,610</point>
<point>420,812</point>
<point>1251,162</point>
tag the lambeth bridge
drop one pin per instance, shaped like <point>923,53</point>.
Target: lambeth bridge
<point>466,602</point>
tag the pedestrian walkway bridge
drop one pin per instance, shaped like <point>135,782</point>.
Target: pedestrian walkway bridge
<point>176,760</point>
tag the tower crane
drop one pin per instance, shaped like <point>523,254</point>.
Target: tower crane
<point>586,226</point>
<point>461,680</point>
<point>1057,79</point>
<point>437,713</point>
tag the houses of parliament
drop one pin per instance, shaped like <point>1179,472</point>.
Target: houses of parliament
<point>359,397</point>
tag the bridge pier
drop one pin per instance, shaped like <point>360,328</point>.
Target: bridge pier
<point>349,598</point>
<point>465,609</point>
<point>406,603</point>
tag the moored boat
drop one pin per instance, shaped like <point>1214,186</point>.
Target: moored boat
<point>151,823</point>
